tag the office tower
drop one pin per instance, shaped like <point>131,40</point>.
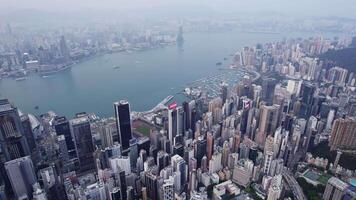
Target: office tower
<point>95,191</point>
<point>80,128</point>
<point>187,116</point>
<point>28,133</point>
<point>106,131</point>
<point>306,94</point>
<point>343,134</point>
<point>21,174</point>
<point>151,186</point>
<point>180,38</point>
<point>61,125</point>
<point>200,149</point>
<point>168,189</point>
<point>179,165</point>
<point>123,123</point>
<point>133,154</point>
<point>253,153</point>
<point>180,121</point>
<point>122,183</point>
<point>162,160</point>
<point>51,182</point>
<point>268,85</point>
<point>311,125</point>
<point>115,194</point>
<point>143,143</point>
<point>178,149</point>
<point>269,118</point>
<point>224,95</point>
<point>12,139</point>
<point>64,48</point>
<point>335,189</point>
<point>120,163</point>
<point>63,150</point>
<point>172,124</point>
<point>209,145</point>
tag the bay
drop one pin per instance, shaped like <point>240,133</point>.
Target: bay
<point>143,78</point>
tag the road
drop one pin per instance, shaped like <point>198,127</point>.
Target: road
<point>294,186</point>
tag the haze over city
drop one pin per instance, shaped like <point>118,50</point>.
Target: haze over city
<point>177,100</point>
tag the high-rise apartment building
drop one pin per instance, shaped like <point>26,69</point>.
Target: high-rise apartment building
<point>343,134</point>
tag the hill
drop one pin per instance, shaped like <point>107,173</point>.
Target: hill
<point>345,58</point>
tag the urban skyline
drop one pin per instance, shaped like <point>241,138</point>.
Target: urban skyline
<point>272,120</point>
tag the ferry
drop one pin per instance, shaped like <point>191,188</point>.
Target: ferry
<point>20,79</point>
<point>47,73</point>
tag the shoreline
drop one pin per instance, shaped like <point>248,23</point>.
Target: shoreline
<point>45,74</point>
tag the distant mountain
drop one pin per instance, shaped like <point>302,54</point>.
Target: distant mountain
<point>345,58</point>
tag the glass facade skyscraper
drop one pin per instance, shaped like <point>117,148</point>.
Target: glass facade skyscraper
<point>123,123</point>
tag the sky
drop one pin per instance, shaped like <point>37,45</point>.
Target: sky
<point>314,8</point>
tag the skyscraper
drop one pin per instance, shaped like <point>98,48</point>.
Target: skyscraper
<point>210,145</point>
<point>179,165</point>
<point>28,133</point>
<point>64,48</point>
<point>187,116</point>
<point>61,125</point>
<point>12,140</point>
<point>343,134</point>
<point>22,176</point>
<point>80,128</point>
<point>306,94</point>
<point>115,194</point>
<point>180,39</point>
<point>268,85</point>
<point>123,123</point>
<point>334,189</point>
<point>168,189</point>
<point>269,118</point>
<point>172,124</point>
<point>200,150</point>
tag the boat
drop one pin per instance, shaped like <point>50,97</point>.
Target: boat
<point>37,107</point>
<point>116,67</point>
<point>219,63</point>
<point>47,73</point>
<point>21,79</point>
